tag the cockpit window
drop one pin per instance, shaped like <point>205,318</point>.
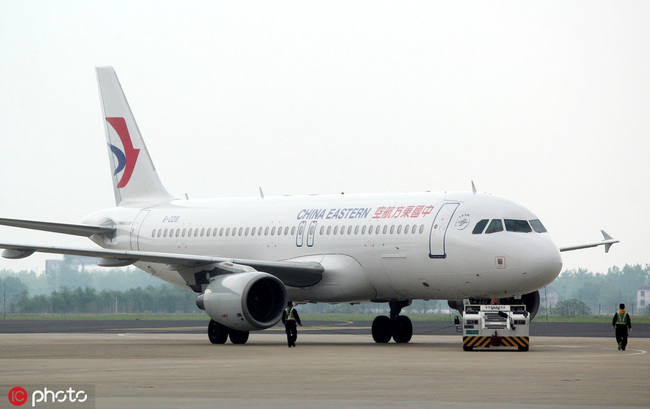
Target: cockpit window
<point>518,226</point>
<point>538,226</point>
<point>478,229</point>
<point>495,226</point>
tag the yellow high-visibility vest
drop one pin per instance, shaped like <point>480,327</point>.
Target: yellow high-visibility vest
<point>290,316</point>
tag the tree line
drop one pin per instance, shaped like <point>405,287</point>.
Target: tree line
<point>164,299</point>
<point>602,292</point>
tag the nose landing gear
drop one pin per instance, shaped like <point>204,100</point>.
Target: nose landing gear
<point>398,327</point>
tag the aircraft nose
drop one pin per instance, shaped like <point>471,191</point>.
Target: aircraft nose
<point>543,264</point>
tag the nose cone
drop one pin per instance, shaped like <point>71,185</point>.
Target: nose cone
<point>541,263</point>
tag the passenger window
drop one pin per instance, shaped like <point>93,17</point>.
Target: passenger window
<point>517,226</point>
<point>165,233</point>
<point>399,229</point>
<point>356,230</point>
<point>202,231</point>
<point>385,229</point>
<point>480,226</point>
<point>336,230</point>
<point>273,231</point>
<point>286,231</point>
<point>538,226</point>
<point>329,230</point>
<point>293,230</point>
<point>363,230</point>
<point>421,228</point>
<point>322,230</point>
<point>392,229</point>
<point>495,226</point>
<point>413,229</point>
<point>266,231</point>
<point>342,230</point>
<point>178,232</point>
<point>370,230</point>
<point>349,229</point>
<point>253,231</point>
<point>247,231</point>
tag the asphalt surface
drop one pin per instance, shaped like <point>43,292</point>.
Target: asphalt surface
<point>142,368</point>
<point>547,329</point>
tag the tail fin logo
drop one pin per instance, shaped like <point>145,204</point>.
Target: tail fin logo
<point>126,158</point>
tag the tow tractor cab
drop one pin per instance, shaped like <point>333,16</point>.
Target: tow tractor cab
<point>494,325</point>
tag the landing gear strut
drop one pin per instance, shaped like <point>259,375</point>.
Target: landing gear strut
<point>396,326</point>
<point>218,334</point>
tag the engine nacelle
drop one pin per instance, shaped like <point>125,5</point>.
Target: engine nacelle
<point>244,301</point>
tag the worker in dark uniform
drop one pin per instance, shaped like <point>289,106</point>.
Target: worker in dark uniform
<point>622,324</point>
<point>290,318</point>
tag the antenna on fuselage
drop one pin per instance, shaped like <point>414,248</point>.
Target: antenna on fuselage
<point>261,193</point>
<point>473,187</point>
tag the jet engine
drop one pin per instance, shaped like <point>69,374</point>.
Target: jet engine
<point>244,301</point>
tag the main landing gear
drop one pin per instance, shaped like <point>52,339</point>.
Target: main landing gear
<point>396,326</point>
<point>219,334</point>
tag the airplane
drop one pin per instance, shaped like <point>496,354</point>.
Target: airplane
<point>246,257</point>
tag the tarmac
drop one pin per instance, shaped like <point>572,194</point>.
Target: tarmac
<point>139,366</point>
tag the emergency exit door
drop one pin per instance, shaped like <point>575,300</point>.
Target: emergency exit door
<point>439,230</point>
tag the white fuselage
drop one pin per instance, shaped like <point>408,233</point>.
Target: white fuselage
<point>372,247</point>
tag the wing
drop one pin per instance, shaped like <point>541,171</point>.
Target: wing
<point>291,273</point>
<point>85,230</point>
<point>608,242</point>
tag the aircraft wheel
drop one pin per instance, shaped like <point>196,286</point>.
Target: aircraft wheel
<point>523,348</point>
<point>402,329</point>
<point>238,337</point>
<point>217,333</point>
<point>466,348</point>
<point>381,329</point>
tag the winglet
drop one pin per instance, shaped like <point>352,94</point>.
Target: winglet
<point>609,239</point>
<point>473,187</point>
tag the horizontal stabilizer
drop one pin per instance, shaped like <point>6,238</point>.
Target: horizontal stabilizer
<point>85,230</point>
<point>608,242</point>
<point>291,273</point>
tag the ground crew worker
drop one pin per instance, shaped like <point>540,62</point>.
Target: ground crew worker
<point>622,324</point>
<point>290,318</point>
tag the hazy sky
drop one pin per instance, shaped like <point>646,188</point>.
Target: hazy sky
<point>547,103</point>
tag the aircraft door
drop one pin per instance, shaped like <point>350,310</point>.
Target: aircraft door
<point>439,230</point>
<point>135,229</point>
<point>300,234</point>
<point>311,233</point>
